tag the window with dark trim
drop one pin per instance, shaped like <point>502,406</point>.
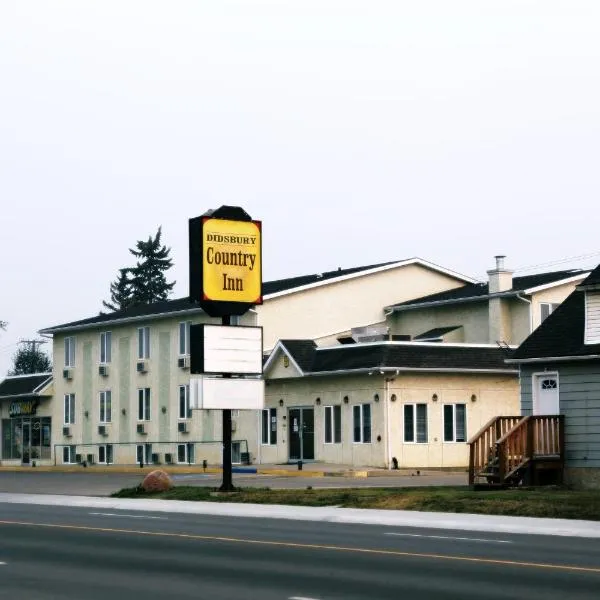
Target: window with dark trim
<point>333,424</point>
<point>455,422</point>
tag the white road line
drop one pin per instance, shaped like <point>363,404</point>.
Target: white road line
<point>98,514</point>
<point>2,563</point>
<point>447,537</point>
<point>301,598</point>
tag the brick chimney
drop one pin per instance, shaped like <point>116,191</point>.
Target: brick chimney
<point>499,319</point>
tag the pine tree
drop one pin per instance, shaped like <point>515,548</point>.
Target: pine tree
<point>149,283</point>
<point>120,292</point>
<point>29,359</point>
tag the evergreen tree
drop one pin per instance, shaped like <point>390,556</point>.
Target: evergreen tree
<point>30,359</point>
<point>146,282</point>
<point>149,283</point>
<point>120,292</point>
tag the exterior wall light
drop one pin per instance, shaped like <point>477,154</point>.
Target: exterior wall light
<point>318,401</point>
<point>164,409</point>
<point>346,400</point>
<point>393,398</point>
<point>123,411</point>
<point>376,397</point>
<point>281,402</point>
<point>473,398</point>
<point>434,397</point>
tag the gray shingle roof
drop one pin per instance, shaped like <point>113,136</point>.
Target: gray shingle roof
<point>22,385</point>
<point>481,290</point>
<point>396,355</point>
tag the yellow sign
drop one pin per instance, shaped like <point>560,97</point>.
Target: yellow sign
<point>231,261</point>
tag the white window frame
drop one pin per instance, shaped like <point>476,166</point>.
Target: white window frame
<point>146,451</point>
<point>69,409</point>
<point>105,406</point>
<point>186,402</point>
<point>105,347</point>
<point>143,343</point>
<point>71,452</point>
<point>105,449</point>
<point>270,440</point>
<point>70,351</point>
<point>189,460</point>
<point>144,404</point>
<point>332,429</point>
<point>184,340</point>
<point>453,440</point>
<point>414,406</point>
<point>552,306</point>
<point>362,423</point>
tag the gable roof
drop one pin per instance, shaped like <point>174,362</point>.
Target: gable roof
<point>24,385</point>
<point>394,356</point>
<point>592,280</point>
<point>560,336</point>
<point>480,291</point>
<point>270,289</point>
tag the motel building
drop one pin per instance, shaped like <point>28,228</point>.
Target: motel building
<point>26,419</point>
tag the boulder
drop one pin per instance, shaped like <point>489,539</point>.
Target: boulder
<point>157,481</point>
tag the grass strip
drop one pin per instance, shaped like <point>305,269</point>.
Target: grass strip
<point>558,503</point>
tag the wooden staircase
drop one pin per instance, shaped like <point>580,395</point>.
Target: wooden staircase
<point>512,451</point>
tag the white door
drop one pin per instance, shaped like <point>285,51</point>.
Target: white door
<point>546,395</point>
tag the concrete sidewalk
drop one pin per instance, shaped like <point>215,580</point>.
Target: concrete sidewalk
<point>389,518</point>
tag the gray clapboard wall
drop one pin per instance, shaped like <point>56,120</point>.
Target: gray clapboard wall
<point>579,393</point>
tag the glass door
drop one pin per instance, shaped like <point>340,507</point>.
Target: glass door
<point>301,434</point>
<point>26,450</point>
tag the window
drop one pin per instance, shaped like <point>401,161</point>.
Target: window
<point>68,454</point>
<point>144,404</point>
<point>549,384</point>
<point>69,412</point>
<point>185,453</point>
<point>105,406</point>
<point>269,426</point>
<point>333,424</point>
<point>144,454</point>
<point>105,454</point>
<point>69,352</point>
<point>105,347</point>
<point>546,309</point>
<point>184,338</point>
<point>143,342</point>
<point>362,423</point>
<point>184,402</point>
<point>415,423</point>
<point>455,422</point>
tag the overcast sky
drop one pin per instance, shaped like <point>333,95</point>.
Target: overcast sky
<point>358,132</point>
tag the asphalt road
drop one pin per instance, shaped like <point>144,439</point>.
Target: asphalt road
<point>73,553</point>
<point>103,484</point>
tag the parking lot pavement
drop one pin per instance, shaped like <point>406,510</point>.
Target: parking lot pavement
<point>104,484</point>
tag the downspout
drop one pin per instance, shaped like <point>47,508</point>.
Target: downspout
<point>388,444</point>
<point>259,436</point>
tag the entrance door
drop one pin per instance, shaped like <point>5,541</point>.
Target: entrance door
<point>546,395</point>
<point>302,433</point>
<point>236,453</point>
<point>26,451</point>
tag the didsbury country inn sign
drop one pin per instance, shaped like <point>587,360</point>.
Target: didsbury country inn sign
<point>225,261</point>
<point>23,408</point>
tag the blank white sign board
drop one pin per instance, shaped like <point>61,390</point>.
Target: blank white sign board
<point>218,393</point>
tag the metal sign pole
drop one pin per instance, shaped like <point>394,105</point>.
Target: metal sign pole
<point>227,483</point>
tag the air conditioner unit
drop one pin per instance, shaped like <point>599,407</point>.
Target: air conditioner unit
<point>182,427</point>
<point>103,370</point>
<point>141,367</point>
<point>155,458</point>
<point>233,425</point>
<point>67,374</point>
<point>102,430</point>
<point>67,431</point>
<point>370,333</point>
<point>183,362</point>
<point>78,459</point>
<point>169,458</point>
<point>140,429</point>
<point>90,459</point>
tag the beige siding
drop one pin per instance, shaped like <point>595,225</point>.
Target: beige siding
<point>494,395</point>
<point>554,295</point>
<point>473,316</point>
<point>592,317</point>
<point>520,312</point>
<point>336,307</point>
